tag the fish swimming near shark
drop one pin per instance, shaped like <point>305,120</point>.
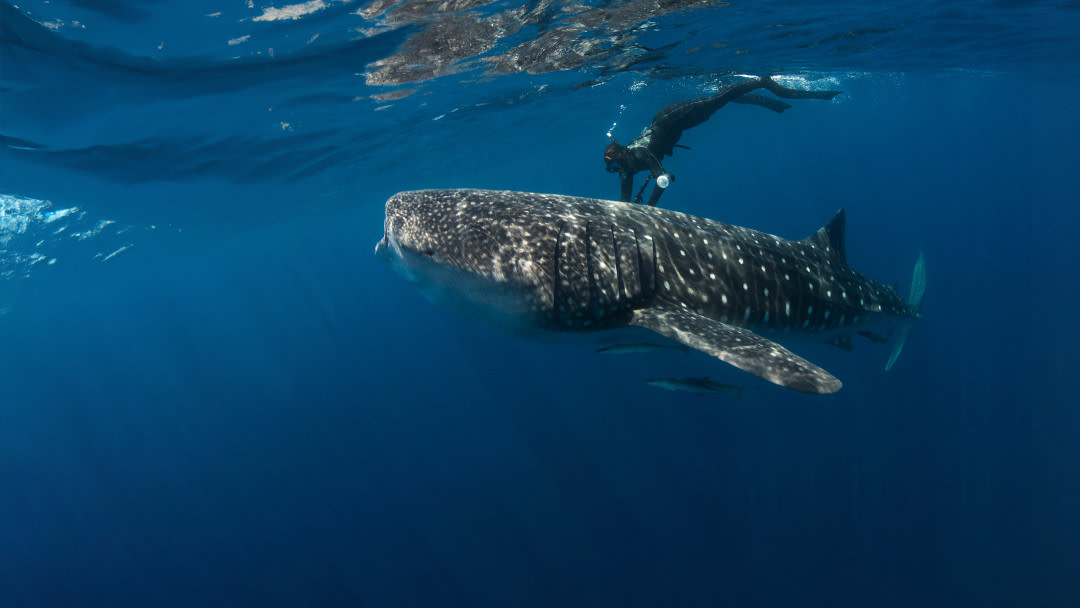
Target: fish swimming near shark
<point>700,386</point>
<point>638,348</point>
<point>548,264</point>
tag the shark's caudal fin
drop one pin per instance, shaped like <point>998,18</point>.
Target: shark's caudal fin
<point>740,347</point>
<point>915,298</point>
<point>918,283</point>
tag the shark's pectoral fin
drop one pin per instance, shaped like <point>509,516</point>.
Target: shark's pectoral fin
<point>740,347</point>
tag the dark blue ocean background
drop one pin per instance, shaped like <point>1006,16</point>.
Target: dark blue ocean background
<point>212,393</point>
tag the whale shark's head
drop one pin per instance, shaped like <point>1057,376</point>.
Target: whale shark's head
<point>416,233</point>
<point>427,230</point>
<point>469,254</point>
<point>560,262</point>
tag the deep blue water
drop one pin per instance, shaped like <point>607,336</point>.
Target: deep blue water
<point>212,393</point>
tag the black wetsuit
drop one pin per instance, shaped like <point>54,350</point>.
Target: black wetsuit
<point>661,136</point>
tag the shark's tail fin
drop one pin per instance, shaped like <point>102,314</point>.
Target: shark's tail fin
<point>915,298</point>
<point>918,283</point>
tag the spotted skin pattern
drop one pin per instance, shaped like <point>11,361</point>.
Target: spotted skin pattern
<point>570,264</point>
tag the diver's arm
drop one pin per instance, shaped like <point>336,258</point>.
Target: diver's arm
<point>662,177</point>
<point>655,196</point>
<point>656,171</point>
<point>626,186</point>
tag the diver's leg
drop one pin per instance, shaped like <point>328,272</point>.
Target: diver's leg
<point>760,100</point>
<point>691,113</point>
<point>687,114</point>
<point>788,93</point>
<point>682,115</point>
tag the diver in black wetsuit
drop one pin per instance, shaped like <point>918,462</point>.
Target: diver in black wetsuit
<point>660,138</point>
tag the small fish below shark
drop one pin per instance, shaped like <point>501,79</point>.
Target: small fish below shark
<point>548,264</point>
<point>700,386</point>
<point>638,348</point>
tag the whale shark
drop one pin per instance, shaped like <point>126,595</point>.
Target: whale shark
<point>542,265</point>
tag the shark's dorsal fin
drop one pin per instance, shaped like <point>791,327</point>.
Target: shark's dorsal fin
<point>738,346</point>
<point>830,238</point>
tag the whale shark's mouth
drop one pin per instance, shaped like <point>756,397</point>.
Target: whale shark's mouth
<point>390,246</point>
<point>389,250</point>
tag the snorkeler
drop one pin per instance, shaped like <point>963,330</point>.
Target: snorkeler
<point>660,138</point>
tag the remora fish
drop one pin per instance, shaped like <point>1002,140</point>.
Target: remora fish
<point>699,386</point>
<point>638,348</point>
<point>553,263</point>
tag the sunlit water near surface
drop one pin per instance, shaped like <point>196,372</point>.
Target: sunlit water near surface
<point>212,393</point>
